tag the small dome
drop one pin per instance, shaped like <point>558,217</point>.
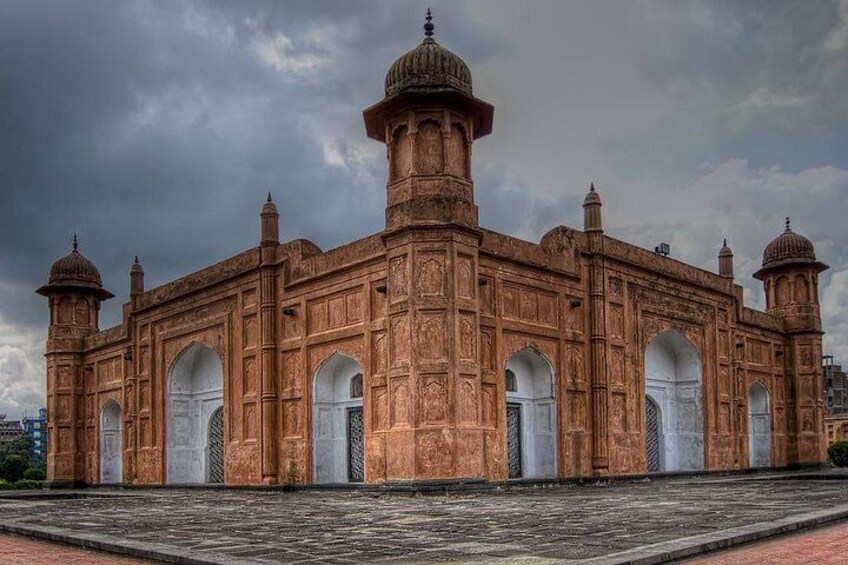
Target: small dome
<point>75,271</point>
<point>789,247</point>
<point>269,207</point>
<point>592,197</point>
<point>725,251</point>
<point>429,66</point>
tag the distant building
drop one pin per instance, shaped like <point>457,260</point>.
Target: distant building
<point>9,430</point>
<point>836,427</point>
<point>835,387</point>
<point>36,429</point>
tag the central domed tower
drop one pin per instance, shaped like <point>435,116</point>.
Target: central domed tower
<point>431,381</point>
<point>428,120</point>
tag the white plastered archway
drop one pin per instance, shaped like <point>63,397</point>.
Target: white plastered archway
<point>111,444</point>
<point>673,380</point>
<point>331,402</point>
<point>194,393</point>
<point>759,426</point>
<point>535,395</point>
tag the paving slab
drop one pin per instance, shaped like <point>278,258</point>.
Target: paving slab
<point>647,521</point>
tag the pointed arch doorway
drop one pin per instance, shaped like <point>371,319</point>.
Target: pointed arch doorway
<point>531,417</point>
<point>338,430</point>
<point>674,418</point>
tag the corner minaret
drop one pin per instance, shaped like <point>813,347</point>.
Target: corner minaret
<point>428,120</point>
<point>790,279</point>
<point>725,261</point>
<point>136,280</point>
<point>269,239</point>
<point>74,292</point>
<point>592,211</point>
<point>270,231</point>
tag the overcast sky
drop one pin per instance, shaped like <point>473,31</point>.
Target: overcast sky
<point>156,128</point>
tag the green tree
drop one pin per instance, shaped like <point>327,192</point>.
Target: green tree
<point>838,453</point>
<point>12,467</point>
<point>21,445</point>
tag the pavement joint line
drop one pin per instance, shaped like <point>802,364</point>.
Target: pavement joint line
<point>691,546</point>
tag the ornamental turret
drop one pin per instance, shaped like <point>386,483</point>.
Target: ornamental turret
<point>428,120</point>
<point>725,261</point>
<point>74,291</point>
<point>790,279</point>
<point>270,231</point>
<point>592,211</point>
<point>136,280</point>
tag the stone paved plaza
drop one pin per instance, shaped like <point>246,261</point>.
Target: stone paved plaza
<point>526,524</point>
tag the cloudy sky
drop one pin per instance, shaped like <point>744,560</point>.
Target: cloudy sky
<point>156,128</point>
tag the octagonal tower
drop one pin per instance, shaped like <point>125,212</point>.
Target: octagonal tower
<point>428,120</point>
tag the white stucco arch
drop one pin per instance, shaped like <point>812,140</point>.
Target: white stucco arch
<point>673,380</point>
<point>111,444</point>
<point>332,405</point>
<point>194,392</point>
<point>759,426</point>
<point>535,396</point>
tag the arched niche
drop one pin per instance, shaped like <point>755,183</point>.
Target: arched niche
<point>458,163</point>
<point>673,381</point>
<point>338,431</point>
<point>759,426</point>
<point>194,394</point>
<point>531,416</point>
<point>401,153</point>
<point>783,291</point>
<point>802,290</point>
<point>429,150</point>
<point>111,448</point>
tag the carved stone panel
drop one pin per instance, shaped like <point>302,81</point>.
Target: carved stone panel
<point>291,419</point>
<point>467,337</point>
<point>398,278</point>
<point>380,405</point>
<point>250,331</point>
<point>468,400</point>
<point>292,373</point>
<point>431,336</point>
<point>577,411</point>
<point>430,274</point>
<point>400,400</point>
<point>400,339</point>
<point>490,406</point>
<point>466,281</point>
<point>379,353</point>
<point>433,397</point>
<point>249,376</point>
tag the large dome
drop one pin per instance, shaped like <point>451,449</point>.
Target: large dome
<point>789,247</point>
<point>428,67</point>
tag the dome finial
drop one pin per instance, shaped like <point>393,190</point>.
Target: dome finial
<point>428,26</point>
<point>76,243</point>
<point>269,196</point>
<point>788,228</point>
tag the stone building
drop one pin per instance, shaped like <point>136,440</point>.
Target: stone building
<point>435,349</point>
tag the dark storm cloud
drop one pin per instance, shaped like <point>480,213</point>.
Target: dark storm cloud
<point>155,128</point>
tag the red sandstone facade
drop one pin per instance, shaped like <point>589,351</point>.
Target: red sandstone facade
<point>431,311</point>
